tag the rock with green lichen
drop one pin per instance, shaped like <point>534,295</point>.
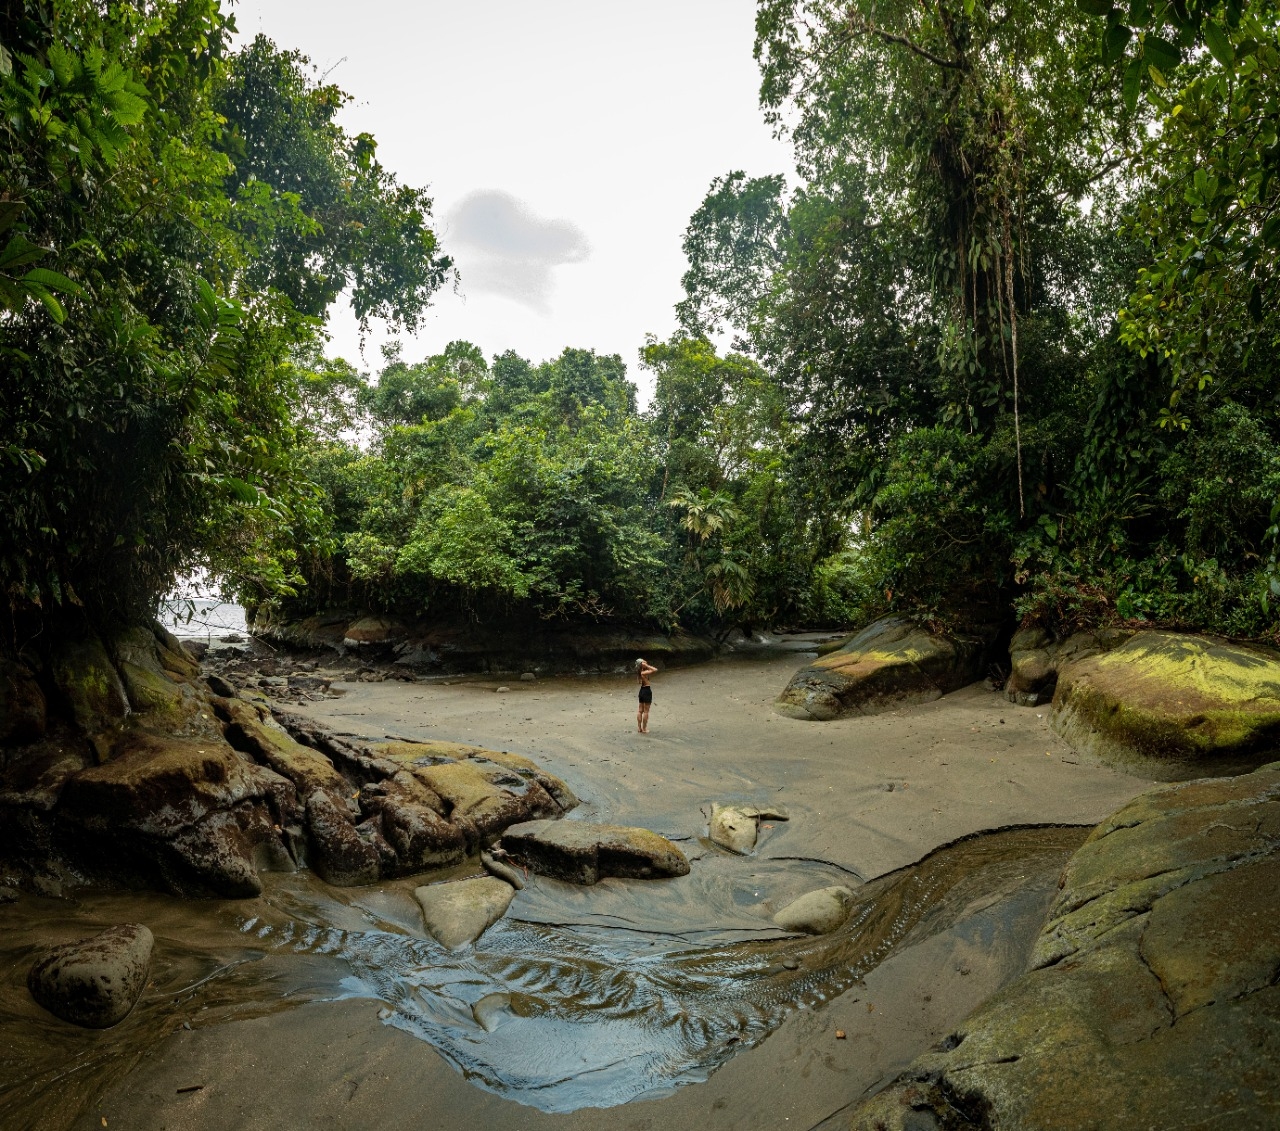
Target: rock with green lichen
<point>1173,706</point>
<point>1151,1000</point>
<point>90,685</point>
<point>888,664</point>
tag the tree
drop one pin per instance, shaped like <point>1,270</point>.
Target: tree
<point>155,429</point>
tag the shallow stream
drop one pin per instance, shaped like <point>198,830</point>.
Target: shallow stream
<point>580,997</point>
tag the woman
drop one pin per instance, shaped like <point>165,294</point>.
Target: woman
<point>644,670</point>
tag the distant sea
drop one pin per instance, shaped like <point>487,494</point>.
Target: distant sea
<point>202,618</point>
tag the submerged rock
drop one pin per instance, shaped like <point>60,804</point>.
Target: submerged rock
<point>94,982</point>
<point>888,664</point>
<point>584,854</point>
<point>458,913</point>
<point>817,912</point>
<point>1153,981</point>
<point>1173,706</point>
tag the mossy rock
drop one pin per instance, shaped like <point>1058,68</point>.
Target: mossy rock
<point>90,684</point>
<point>1173,706</point>
<point>891,663</point>
<point>1151,999</point>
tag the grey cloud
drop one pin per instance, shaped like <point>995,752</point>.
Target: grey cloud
<point>502,247</point>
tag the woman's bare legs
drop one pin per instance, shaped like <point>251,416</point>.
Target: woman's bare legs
<point>640,713</point>
<point>643,718</point>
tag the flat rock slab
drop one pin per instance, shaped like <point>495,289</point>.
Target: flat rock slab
<point>94,982</point>
<point>888,664</point>
<point>458,913</point>
<point>1151,998</point>
<point>1173,706</point>
<point>817,912</point>
<point>582,853</point>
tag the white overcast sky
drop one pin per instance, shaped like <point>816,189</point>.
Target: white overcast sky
<point>565,142</point>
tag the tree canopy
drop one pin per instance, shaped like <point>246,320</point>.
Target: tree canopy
<point>178,216</point>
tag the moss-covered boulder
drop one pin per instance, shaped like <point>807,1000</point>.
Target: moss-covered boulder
<point>90,685</point>
<point>890,663</point>
<point>1173,706</point>
<point>1151,1000</point>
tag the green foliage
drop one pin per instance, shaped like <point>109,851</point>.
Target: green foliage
<point>157,346</point>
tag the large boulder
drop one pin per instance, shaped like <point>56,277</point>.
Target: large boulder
<point>456,914</point>
<point>94,982</point>
<point>1173,706</point>
<point>888,664</point>
<point>584,853</point>
<point>1152,995</point>
<point>90,685</point>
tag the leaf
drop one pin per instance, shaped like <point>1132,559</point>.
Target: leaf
<point>1160,52</point>
<point>1219,44</point>
<point>1271,231</point>
<point>53,280</point>
<point>1132,85</point>
<point>1094,7</point>
<point>1114,40</point>
<point>1255,303</point>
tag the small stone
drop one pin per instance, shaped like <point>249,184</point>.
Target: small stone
<point>94,982</point>
<point>817,913</point>
<point>491,1010</point>
<point>527,677</point>
<point>840,1035</point>
<point>733,828</point>
<point>503,689</point>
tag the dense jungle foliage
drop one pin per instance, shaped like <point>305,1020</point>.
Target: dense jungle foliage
<point>1006,348</point>
<point>176,218</point>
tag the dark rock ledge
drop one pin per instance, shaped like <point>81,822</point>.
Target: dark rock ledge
<point>120,766</point>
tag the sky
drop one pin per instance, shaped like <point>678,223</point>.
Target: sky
<point>566,144</point>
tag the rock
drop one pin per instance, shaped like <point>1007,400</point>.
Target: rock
<point>1035,659</point>
<point>1172,706</point>
<point>818,912</point>
<point>155,679</point>
<point>890,663</point>
<point>492,1010</point>
<point>94,982</point>
<point>503,690</point>
<point>91,686</point>
<point>339,854</point>
<point>196,649</point>
<point>411,817</point>
<point>373,630</point>
<point>23,712</point>
<point>257,733</point>
<point>527,677</point>
<point>584,854</point>
<point>1151,989</point>
<point>502,871</point>
<point>8,895</point>
<point>733,828</point>
<point>458,913</point>
<point>187,812</point>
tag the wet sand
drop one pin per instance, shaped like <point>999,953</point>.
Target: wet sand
<point>865,797</point>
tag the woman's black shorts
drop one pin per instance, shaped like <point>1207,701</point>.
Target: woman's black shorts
<point>646,695</point>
